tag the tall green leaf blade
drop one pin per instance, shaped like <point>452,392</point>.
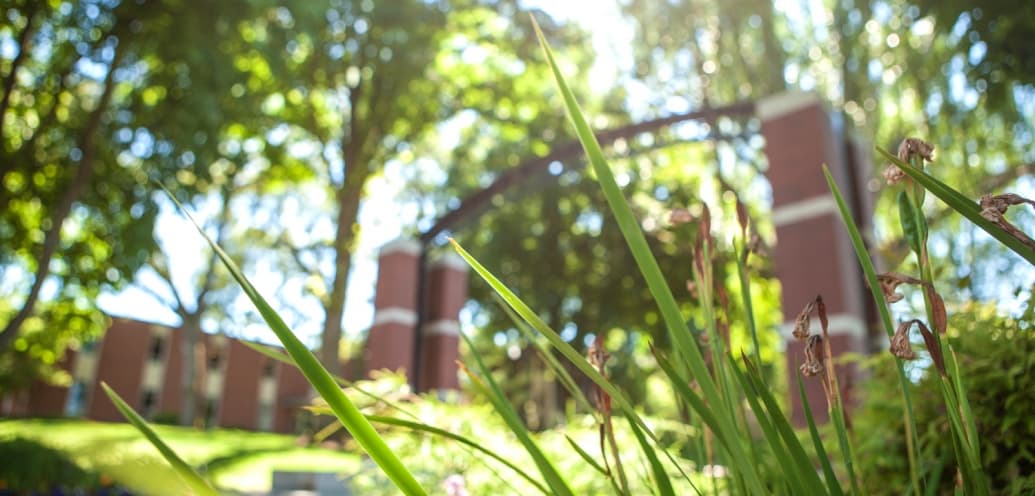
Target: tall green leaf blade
<point>648,266</point>
<point>435,431</point>
<point>661,479</point>
<point>817,442</point>
<point>495,396</point>
<point>574,357</point>
<point>870,272</point>
<point>907,218</point>
<point>191,477</point>
<point>963,205</point>
<point>318,377</point>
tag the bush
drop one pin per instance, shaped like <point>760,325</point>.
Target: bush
<point>29,465</point>
<point>997,362</point>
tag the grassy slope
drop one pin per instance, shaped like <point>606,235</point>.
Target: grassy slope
<point>234,460</point>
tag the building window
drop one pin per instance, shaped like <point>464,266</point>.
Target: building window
<point>157,346</point>
<point>76,403</point>
<point>269,369</point>
<point>211,408</point>
<point>213,361</point>
<point>147,404</point>
<point>265,417</point>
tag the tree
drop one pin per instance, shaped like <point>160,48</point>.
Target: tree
<point>81,212</point>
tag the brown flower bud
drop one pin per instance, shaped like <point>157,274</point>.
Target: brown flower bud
<point>802,322</point>
<point>900,342</point>
<point>813,357</point>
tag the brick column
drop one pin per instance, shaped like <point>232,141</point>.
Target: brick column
<point>392,339</point>
<point>440,332</point>
<point>813,254</point>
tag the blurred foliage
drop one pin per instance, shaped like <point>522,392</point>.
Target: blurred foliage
<point>32,466</point>
<point>996,362</point>
<point>951,73</point>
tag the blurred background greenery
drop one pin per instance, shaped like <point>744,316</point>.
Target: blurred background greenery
<point>306,134</point>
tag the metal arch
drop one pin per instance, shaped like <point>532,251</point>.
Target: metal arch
<point>481,199</point>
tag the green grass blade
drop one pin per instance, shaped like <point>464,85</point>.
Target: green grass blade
<point>745,292</point>
<point>817,442</point>
<point>193,480</point>
<point>492,392</point>
<point>870,272</point>
<point>574,357</point>
<point>282,357</point>
<point>586,456</point>
<point>319,378</point>
<point>969,208</point>
<point>661,480</point>
<point>754,386</point>
<point>565,378</point>
<point>435,431</point>
<point>648,266</point>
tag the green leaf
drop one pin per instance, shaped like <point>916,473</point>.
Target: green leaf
<point>435,431</point>
<point>193,480</point>
<point>661,479</point>
<point>817,442</point>
<point>969,208</point>
<point>907,217</point>
<point>492,392</point>
<point>656,282</point>
<point>318,377</point>
<point>870,272</point>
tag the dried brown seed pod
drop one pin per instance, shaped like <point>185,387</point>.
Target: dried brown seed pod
<point>890,281</point>
<point>802,322</point>
<point>813,358</point>
<point>900,342</point>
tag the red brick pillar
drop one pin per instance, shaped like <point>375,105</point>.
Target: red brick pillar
<point>446,293</point>
<point>813,254</point>
<point>391,342</point>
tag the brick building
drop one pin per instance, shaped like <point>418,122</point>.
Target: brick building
<point>243,388</point>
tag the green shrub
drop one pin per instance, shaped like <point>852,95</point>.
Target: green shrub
<point>29,465</point>
<point>997,362</point>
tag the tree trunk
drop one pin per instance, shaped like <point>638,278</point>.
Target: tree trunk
<point>52,238</point>
<point>334,308</point>
<point>190,380</point>
<point>194,354</point>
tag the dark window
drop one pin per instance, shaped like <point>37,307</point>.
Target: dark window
<point>269,369</point>
<point>76,404</point>
<point>157,345</point>
<point>213,361</point>
<point>211,407</point>
<point>148,402</point>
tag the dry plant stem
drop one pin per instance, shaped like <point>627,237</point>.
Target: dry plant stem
<point>598,357</point>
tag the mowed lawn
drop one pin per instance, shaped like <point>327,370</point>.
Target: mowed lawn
<point>236,461</point>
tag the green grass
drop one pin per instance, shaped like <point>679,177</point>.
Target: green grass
<point>233,460</point>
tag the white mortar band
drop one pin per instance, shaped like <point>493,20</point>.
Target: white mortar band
<point>777,106</point>
<point>840,324</point>
<point>401,245</point>
<point>803,209</point>
<point>442,328</point>
<point>450,260</point>
<point>395,315</point>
